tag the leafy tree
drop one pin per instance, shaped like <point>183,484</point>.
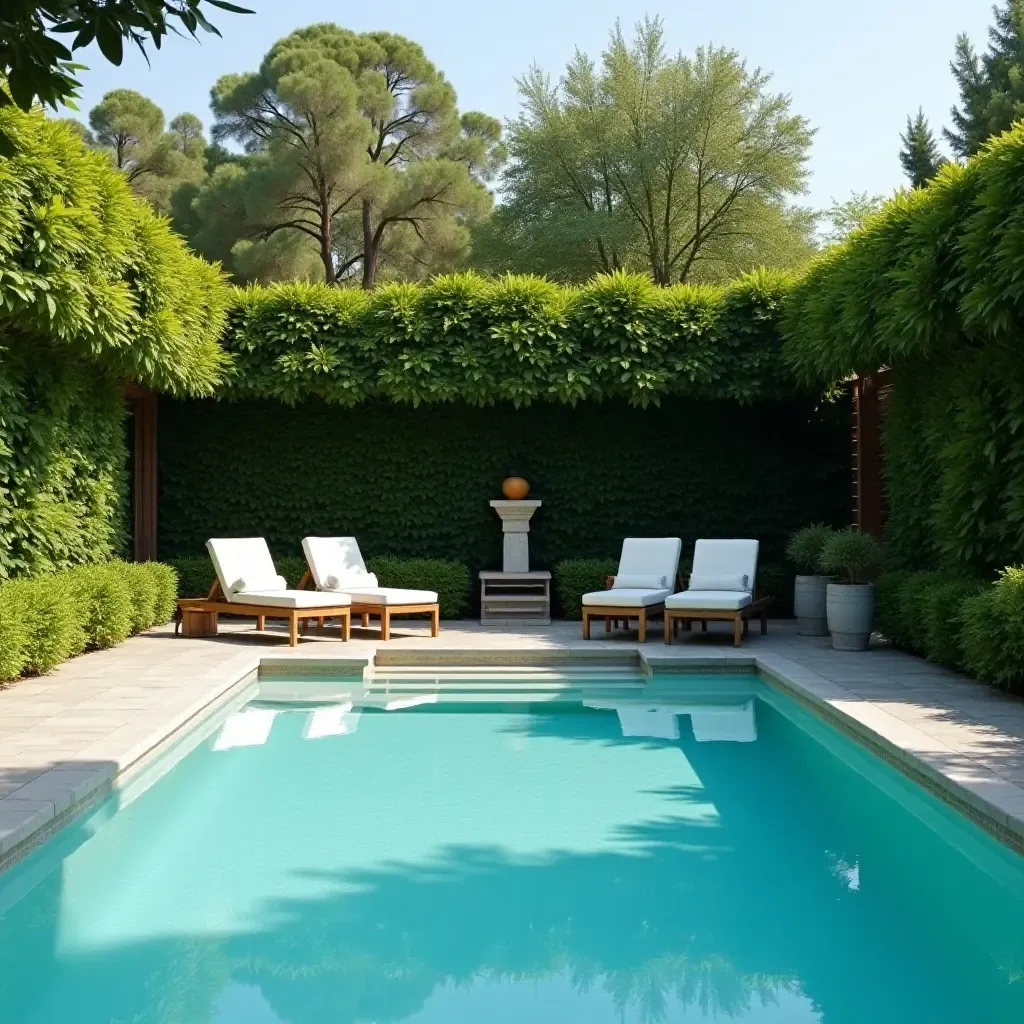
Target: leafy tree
<point>991,85</point>
<point>847,216</point>
<point>679,166</point>
<point>920,156</point>
<point>356,151</point>
<point>37,66</point>
<point>130,128</point>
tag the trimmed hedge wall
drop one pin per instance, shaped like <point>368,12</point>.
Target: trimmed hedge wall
<point>45,620</point>
<point>416,482</point>
<point>513,339</point>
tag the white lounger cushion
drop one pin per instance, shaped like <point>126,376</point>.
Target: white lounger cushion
<point>337,564</point>
<point>391,595</point>
<point>625,598</point>
<point>243,559</point>
<point>724,560</point>
<point>712,600</point>
<point>653,558</point>
<point>647,573</point>
<point>292,599</point>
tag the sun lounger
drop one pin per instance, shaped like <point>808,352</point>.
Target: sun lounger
<point>721,588</point>
<point>647,574</point>
<point>248,584</point>
<point>336,564</point>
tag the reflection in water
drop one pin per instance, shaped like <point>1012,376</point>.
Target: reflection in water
<point>635,863</point>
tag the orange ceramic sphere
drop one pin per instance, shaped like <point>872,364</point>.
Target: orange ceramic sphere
<point>515,488</point>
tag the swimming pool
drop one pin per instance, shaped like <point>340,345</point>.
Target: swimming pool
<point>494,858</point>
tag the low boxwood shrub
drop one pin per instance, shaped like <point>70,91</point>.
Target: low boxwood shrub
<point>13,633</point>
<point>141,584</point>
<point>992,632</point>
<point>578,576</point>
<point>914,596</point>
<point>943,606</point>
<point>888,613</point>
<point>450,580</point>
<point>54,620</point>
<point>104,599</point>
<point>165,580</point>
<point>45,620</point>
<point>195,575</point>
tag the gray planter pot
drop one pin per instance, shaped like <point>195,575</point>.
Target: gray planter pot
<point>809,605</point>
<point>850,609</point>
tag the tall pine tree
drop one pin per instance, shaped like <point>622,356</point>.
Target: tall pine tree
<point>920,154</point>
<point>991,85</point>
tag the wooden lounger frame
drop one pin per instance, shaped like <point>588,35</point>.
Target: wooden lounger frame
<point>739,617</point>
<point>384,611</point>
<point>612,614</point>
<point>216,604</point>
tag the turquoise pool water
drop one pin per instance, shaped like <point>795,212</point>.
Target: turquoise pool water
<point>495,863</point>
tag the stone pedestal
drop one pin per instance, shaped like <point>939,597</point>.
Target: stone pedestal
<point>515,524</point>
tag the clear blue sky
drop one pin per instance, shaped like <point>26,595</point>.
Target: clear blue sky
<point>854,70</point>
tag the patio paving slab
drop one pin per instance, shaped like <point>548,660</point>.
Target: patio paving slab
<point>66,737</point>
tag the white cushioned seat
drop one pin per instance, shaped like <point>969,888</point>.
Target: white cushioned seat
<point>392,595</point>
<point>336,563</point>
<point>646,575</point>
<point>712,600</point>
<point>723,576</point>
<point>625,598</point>
<point>292,599</point>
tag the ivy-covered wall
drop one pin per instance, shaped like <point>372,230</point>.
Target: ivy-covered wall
<point>932,288</point>
<point>95,291</point>
<point>416,481</point>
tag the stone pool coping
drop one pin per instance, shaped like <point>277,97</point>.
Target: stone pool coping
<point>68,739</point>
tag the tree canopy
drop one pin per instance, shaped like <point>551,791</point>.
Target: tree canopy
<point>920,156</point>
<point>39,67</point>
<point>130,129</point>
<point>355,156</point>
<point>681,167</point>
<point>991,84</point>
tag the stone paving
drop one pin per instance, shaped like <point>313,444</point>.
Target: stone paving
<point>65,737</point>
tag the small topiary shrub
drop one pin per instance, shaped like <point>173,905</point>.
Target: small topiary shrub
<point>992,632</point>
<point>805,547</point>
<point>942,610</point>
<point>578,576</point>
<point>852,555</point>
<point>450,580</point>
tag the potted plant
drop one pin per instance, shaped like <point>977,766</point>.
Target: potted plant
<point>850,604</point>
<point>804,549</point>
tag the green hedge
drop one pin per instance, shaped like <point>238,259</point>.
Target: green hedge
<point>575,577</point>
<point>992,633</point>
<point>516,339</point>
<point>95,290</point>
<point>416,482</point>
<point>450,579</point>
<point>45,620</point>
<point>931,288</point>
